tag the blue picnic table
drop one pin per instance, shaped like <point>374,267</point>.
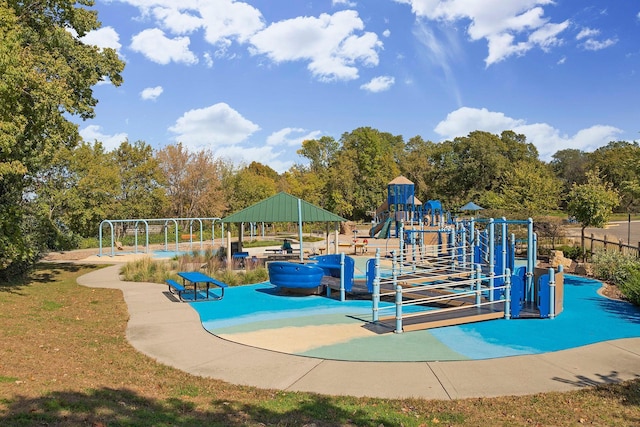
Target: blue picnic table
<point>193,278</point>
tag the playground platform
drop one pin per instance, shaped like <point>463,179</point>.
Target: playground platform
<point>173,335</point>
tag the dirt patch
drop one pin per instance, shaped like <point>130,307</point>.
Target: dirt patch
<point>74,255</point>
<point>612,292</point>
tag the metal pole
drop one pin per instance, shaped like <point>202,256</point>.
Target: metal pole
<point>375,297</point>
<point>342,285</point>
<point>398,309</point>
<point>507,294</point>
<point>492,235</point>
<point>552,294</point>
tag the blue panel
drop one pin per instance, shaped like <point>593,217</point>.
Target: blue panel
<point>544,299</point>
<point>371,273</point>
<point>517,295</point>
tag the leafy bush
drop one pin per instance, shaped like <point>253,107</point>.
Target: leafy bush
<point>631,286</point>
<point>621,270</point>
<point>572,252</point>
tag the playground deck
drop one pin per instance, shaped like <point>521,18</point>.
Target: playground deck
<point>445,317</point>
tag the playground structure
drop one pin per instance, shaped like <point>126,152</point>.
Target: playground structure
<point>458,273</point>
<point>403,206</point>
<point>165,224</point>
<point>466,273</point>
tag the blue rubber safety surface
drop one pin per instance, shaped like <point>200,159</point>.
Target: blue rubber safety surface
<point>587,318</point>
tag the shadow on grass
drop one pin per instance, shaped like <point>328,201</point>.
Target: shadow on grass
<point>43,273</point>
<point>107,406</point>
<point>599,380</point>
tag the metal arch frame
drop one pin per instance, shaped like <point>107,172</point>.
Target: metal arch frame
<point>146,221</point>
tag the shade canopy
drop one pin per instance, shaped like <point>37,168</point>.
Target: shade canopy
<point>471,207</point>
<point>283,207</point>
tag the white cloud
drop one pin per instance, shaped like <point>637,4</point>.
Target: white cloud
<point>226,20</point>
<point>328,42</point>
<point>510,27</point>
<point>174,19</point>
<point>218,124</point>
<point>158,48</point>
<point>379,84</point>
<point>105,37</point>
<point>386,33</point>
<point>94,133</point>
<point>547,139</point>
<point>222,20</point>
<point>587,33</point>
<point>291,137</point>
<point>151,93</point>
<point>346,3</point>
<point>208,60</point>
<point>591,44</point>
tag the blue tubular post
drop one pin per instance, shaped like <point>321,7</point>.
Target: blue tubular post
<point>454,248</point>
<point>503,242</point>
<point>492,254</point>
<point>552,290</point>
<point>478,284</point>
<point>401,246</point>
<point>531,263</point>
<point>342,284</point>
<point>100,238</point>
<point>507,294</point>
<point>413,252</point>
<point>375,297</point>
<point>463,242</point>
<point>113,238</point>
<point>398,309</point>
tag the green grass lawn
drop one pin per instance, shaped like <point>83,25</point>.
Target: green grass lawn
<point>65,361</point>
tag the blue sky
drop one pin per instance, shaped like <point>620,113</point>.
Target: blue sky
<point>250,80</point>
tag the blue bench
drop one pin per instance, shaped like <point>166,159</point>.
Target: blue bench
<point>176,288</point>
<point>330,264</point>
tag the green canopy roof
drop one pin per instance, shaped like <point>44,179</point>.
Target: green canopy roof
<point>282,207</point>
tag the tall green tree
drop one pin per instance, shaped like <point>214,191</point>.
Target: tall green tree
<point>364,165</point>
<point>320,152</point>
<point>617,164</point>
<point>249,185</point>
<point>141,193</point>
<point>77,191</point>
<point>46,76</point>
<point>528,189</point>
<point>592,203</point>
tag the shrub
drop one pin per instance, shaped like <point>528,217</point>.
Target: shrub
<point>572,252</point>
<point>621,270</point>
<point>630,288</point>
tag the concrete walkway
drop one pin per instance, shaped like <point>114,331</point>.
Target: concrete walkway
<point>172,334</point>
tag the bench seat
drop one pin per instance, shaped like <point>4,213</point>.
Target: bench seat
<point>176,288</point>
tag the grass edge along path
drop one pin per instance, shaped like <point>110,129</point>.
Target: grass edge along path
<point>65,361</point>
